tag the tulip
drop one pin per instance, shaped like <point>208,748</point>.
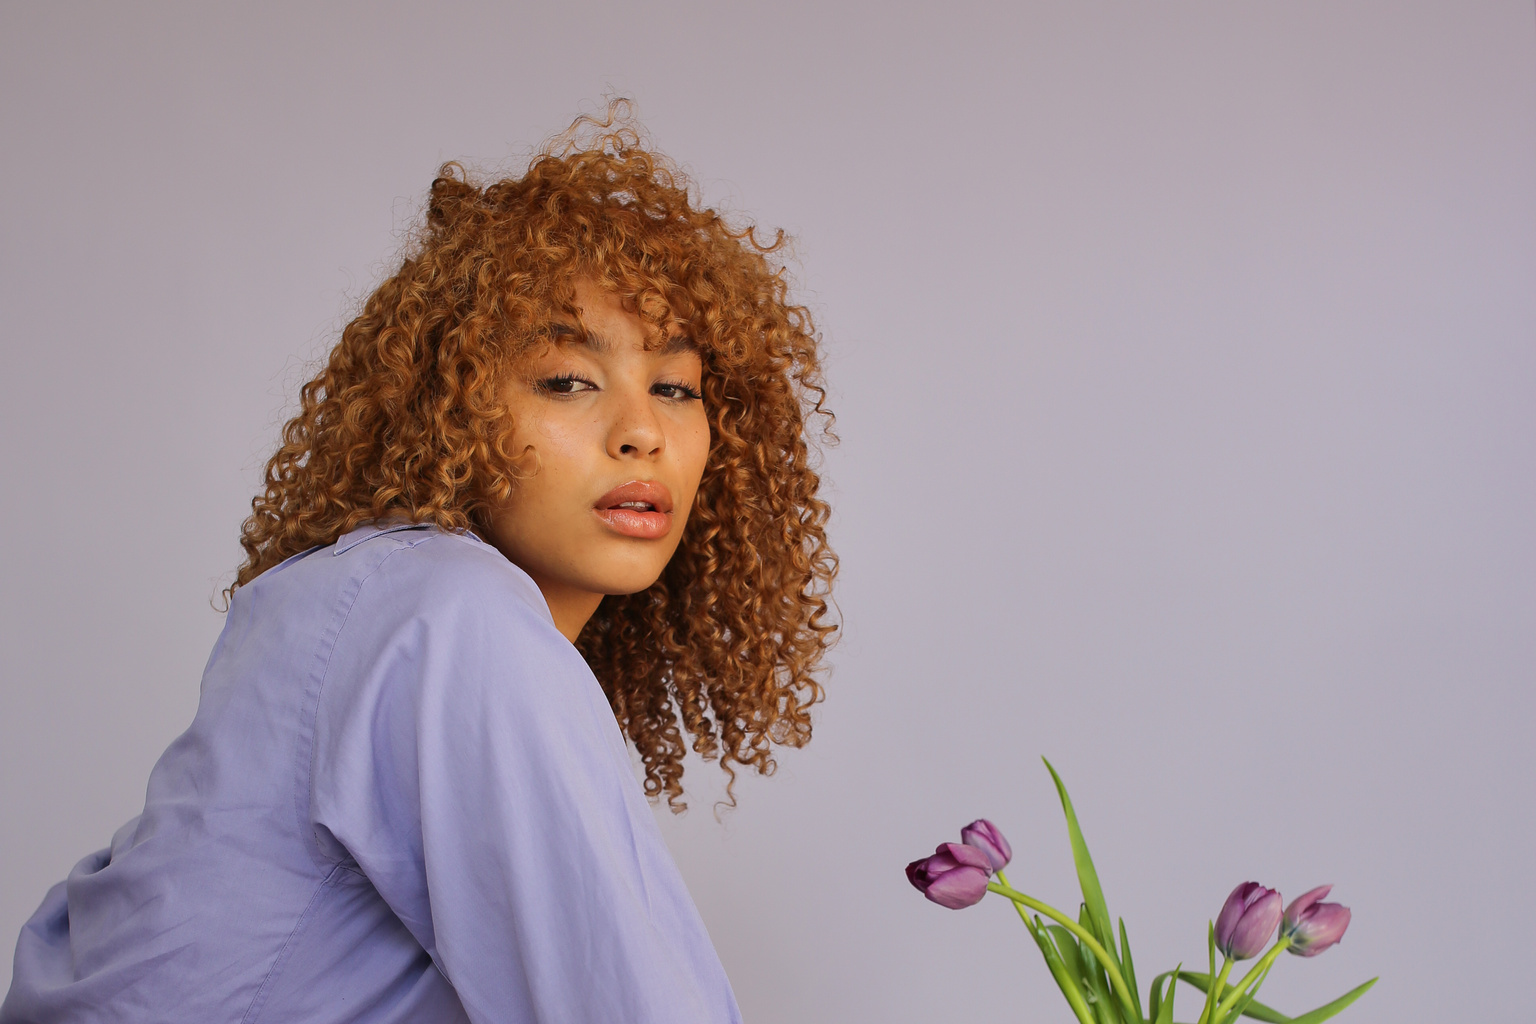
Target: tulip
<point>1313,926</point>
<point>1247,920</point>
<point>984,836</point>
<point>954,877</point>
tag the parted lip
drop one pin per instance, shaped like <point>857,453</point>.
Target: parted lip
<point>649,492</point>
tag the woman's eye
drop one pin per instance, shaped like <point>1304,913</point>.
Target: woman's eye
<point>676,390</point>
<point>564,384</point>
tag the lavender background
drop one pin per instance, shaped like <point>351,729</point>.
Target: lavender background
<point>1185,363</point>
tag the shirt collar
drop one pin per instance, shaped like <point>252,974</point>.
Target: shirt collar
<point>394,524</point>
<point>367,531</point>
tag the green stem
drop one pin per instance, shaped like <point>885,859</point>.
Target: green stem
<point>1257,971</point>
<point>1213,994</point>
<point>1003,879</point>
<point>1068,988</point>
<point>1083,935</point>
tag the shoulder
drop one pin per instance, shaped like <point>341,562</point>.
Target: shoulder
<point>447,655</point>
<point>430,572</point>
<point>418,604</point>
<point>447,611</point>
<point>415,570</point>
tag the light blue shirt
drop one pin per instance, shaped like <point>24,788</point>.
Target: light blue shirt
<point>404,797</point>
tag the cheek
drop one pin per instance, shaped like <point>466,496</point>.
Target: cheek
<point>694,450</point>
<point>556,449</point>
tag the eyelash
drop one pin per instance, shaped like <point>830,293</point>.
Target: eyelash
<point>692,393</point>
<point>551,385</point>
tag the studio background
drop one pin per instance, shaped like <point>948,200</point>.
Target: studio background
<point>1184,357</point>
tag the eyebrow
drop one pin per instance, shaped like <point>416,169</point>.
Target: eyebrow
<point>601,345</point>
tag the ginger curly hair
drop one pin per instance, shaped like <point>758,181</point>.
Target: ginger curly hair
<point>407,420</point>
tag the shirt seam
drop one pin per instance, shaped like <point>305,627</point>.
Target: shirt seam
<point>307,782</point>
<point>264,991</point>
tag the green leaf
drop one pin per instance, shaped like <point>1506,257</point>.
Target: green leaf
<point>1256,1010</point>
<point>1161,1010</point>
<point>1210,979</point>
<point>1322,1013</point>
<point>1128,968</point>
<point>1071,956</point>
<point>1210,948</point>
<point>1165,1014</point>
<point>1093,894</point>
<point>1200,981</point>
<point>1246,999</point>
<point>1155,994</point>
<point>1064,979</point>
<point>1104,998</point>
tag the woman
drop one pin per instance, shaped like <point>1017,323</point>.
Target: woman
<point>552,484</point>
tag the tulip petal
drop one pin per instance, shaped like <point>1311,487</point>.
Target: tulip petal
<point>940,861</point>
<point>1322,928</point>
<point>1313,926</point>
<point>959,888</point>
<point>1258,925</point>
<point>1232,910</point>
<point>1302,903</point>
<point>985,836</point>
<point>1247,920</point>
<point>966,855</point>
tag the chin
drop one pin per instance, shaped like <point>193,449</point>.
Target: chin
<point>625,568</point>
<point>634,585</point>
<point>626,580</point>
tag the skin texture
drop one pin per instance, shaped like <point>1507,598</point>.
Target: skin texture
<point>590,417</point>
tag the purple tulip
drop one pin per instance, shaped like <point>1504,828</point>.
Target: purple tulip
<point>1247,920</point>
<point>984,836</point>
<point>954,877</point>
<point>1313,926</point>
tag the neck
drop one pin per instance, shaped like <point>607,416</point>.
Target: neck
<point>569,607</point>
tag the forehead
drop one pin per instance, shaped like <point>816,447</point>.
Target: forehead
<point>593,337</point>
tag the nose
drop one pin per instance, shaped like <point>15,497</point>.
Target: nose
<point>635,430</point>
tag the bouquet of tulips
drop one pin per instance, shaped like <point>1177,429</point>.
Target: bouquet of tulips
<point>1099,979</point>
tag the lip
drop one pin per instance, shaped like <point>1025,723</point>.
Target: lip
<point>642,524</point>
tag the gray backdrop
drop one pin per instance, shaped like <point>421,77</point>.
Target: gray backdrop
<point>1183,357</point>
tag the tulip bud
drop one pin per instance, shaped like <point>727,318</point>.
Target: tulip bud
<point>1247,920</point>
<point>1313,926</point>
<point>984,836</point>
<point>954,877</point>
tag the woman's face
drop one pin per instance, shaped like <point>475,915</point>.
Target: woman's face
<point>615,437</point>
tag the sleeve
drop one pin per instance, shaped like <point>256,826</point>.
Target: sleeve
<point>467,760</point>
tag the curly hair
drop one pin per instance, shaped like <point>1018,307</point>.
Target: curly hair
<point>406,420</point>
